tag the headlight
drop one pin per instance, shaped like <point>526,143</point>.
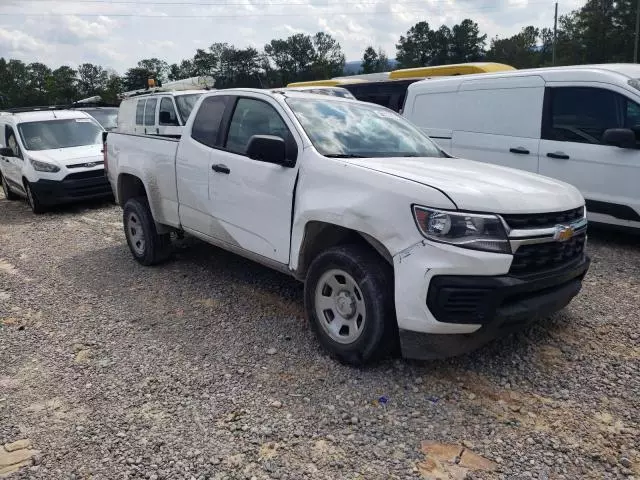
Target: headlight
<point>467,230</point>
<point>44,166</point>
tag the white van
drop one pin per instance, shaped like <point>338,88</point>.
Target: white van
<point>158,113</point>
<point>578,124</point>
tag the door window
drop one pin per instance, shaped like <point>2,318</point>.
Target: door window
<point>254,117</point>
<point>582,114</point>
<point>166,105</point>
<point>206,125</point>
<point>12,142</point>
<point>140,112</point>
<point>150,112</point>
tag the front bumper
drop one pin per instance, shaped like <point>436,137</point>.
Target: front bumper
<point>74,187</point>
<point>467,299</point>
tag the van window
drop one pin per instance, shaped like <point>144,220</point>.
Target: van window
<point>582,114</point>
<point>150,112</point>
<point>166,105</point>
<point>140,112</point>
<point>207,122</point>
<point>12,143</point>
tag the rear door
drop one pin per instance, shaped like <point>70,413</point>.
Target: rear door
<point>497,120</point>
<point>252,199</point>
<point>575,118</point>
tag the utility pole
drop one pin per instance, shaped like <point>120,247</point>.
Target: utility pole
<point>555,34</point>
<point>635,49</point>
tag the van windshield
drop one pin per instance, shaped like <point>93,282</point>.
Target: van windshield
<point>63,133</point>
<point>185,104</point>
<point>107,117</point>
<point>360,130</point>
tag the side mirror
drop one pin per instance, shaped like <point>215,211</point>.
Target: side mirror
<point>268,148</point>
<point>7,152</point>
<point>619,137</point>
<point>165,119</point>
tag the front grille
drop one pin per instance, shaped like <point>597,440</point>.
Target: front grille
<point>86,164</point>
<point>538,257</point>
<point>87,174</point>
<point>542,220</point>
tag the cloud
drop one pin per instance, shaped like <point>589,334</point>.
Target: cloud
<point>117,35</point>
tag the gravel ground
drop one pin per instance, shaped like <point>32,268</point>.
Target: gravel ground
<point>204,368</point>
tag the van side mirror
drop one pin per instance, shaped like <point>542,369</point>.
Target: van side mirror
<point>619,137</point>
<point>268,148</point>
<point>165,119</point>
<point>7,152</point>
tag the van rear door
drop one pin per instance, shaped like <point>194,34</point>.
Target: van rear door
<point>498,120</point>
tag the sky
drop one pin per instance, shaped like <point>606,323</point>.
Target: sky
<point>118,33</point>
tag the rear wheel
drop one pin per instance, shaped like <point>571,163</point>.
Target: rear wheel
<point>146,244</point>
<point>349,304</point>
<point>34,203</point>
<point>8,193</point>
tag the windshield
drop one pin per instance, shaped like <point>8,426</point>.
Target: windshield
<point>350,129</point>
<point>185,104</point>
<point>63,133</point>
<point>106,117</point>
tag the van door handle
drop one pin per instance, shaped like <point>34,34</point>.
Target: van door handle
<point>558,155</point>
<point>220,168</point>
<point>520,150</point>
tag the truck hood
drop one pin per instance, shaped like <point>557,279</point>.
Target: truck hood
<point>481,187</point>
<point>69,156</point>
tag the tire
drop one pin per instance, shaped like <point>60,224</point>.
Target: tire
<point>362,286</point>
<point>146,245</point>
<point>36,206</point>
<point>8,193</point>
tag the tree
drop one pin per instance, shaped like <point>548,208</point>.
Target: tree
<point>414,49</point>
<point>158,69</point>
<point>328,59</point>
<point>92,79</point>
<point>112,88</point>
<point>520,50</point>
<point>373,62</point>
<point>63,87</point>
<point>292,57</point>
<point>39,81</point>
<point>467,45</point>
<point>137,78</point>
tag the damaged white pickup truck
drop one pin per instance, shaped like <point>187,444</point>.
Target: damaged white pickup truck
<point>398,243</point>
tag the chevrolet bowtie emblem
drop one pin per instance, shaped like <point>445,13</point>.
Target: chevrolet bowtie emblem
<point>563,233</point>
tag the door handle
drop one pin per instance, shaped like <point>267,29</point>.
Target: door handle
<point>220,168</point>
<point>520,150</point>
<point>558,155</point>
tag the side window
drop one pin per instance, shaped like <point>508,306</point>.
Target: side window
<point>254,117</point>
<point>167,115</point>
<point>632,119</point>
<point>208,118</point>
<point>12,143</point>
<point>582,114</point>
<point>150,112</point>
<point>140,112</point>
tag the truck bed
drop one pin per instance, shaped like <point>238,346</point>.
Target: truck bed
<point>151,159</point>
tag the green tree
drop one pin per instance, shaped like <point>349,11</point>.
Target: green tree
<point>158,69</point>
<point>292,57</point>
<point>63,87</point>
<point>374,62</point>
<point>328,59</point>
<point>39,81</point>
<point>137,78</point>
<point>92,79</point>
<point>414,49</point>
<point>467,45</point>
<point>113,87</point>
<point>520,50</point>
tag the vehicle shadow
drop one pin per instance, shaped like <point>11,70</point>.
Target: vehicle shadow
<point>619,238</point>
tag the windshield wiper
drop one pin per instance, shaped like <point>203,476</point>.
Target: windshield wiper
<point>343,155</point>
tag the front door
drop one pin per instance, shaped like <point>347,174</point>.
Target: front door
<point>572,150</point>
<point>12,165</point>
<point>253,200</point>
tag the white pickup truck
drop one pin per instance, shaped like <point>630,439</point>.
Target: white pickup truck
<point>398,243</point>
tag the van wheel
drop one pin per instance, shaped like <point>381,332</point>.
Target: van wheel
<point>147,246</point>
<point>8,193</point>
<point>36,206</point>
<point>350,305</point>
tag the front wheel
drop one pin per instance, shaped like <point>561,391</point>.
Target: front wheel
<point>8,193</point>
<point>35,204</point>
<point>350,305</point>
<point>146,244</point>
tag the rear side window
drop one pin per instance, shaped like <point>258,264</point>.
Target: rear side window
<point>208,118</point>
<point>150,111</point>
<point>140,112</point>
